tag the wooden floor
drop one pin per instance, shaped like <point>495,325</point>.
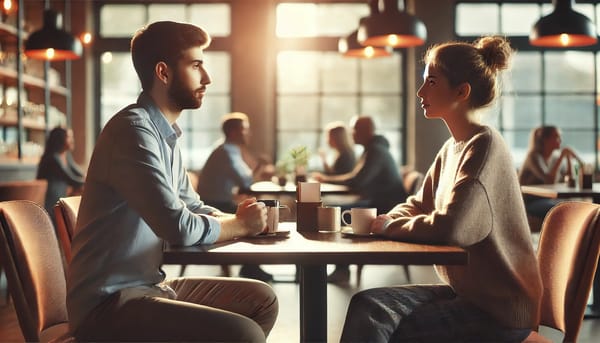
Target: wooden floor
<point>286,328</point>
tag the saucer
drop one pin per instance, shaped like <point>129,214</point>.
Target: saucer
<point>347,232</point>
<point>278,233</point>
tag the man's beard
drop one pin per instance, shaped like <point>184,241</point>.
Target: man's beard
<point>183,97</point>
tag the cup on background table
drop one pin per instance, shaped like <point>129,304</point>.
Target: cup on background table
<point>360,219</point>
<point>586,176</point>
<point>328,218</point>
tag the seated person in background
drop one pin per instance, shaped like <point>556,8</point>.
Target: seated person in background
<point>376,177</point>
<point>64,176</point>
<point>544,166</point>
<point>339,140</point>
<point>137,197</point>
<point>471,199</point>
<point>225,173</point>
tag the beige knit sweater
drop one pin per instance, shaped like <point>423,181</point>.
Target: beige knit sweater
<point>471,198</point>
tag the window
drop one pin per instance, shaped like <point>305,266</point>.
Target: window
<point>318,86</point>
<point>120,86</point>
<point>544,86</point>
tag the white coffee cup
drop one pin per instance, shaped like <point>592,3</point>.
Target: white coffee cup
<point>360,219</point>
<point>272,215</point>
<point>328,218</point>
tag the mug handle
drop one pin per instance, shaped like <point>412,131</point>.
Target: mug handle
<point>344,212</point>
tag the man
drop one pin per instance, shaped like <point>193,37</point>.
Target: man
<point>375,177</point>
<point>225,173</point>
<point>137,196</point>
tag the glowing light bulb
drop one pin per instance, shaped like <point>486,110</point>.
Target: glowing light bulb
<point>86,38</point>
<point>50,53</point>
<point>564,39</point>
<point>369,52</point>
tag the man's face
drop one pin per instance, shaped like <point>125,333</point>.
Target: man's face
<point>189,80</point>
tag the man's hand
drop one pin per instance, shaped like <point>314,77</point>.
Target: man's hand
<point>250,219</point>
<point>253,215</point>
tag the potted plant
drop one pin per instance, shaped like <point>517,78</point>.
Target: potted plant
<point>299,157</point>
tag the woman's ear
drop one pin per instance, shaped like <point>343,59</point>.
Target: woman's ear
<point>464,91</point>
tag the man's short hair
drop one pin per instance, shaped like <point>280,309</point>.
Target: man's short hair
<point>163,41</point>
<point>232,121</point>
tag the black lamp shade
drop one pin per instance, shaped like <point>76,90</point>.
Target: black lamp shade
<point>564,27</point>
<point>392,28</point>
<point>52,42</point>
<point>350,47</point>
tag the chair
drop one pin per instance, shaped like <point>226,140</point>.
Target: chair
<point>34,190</point>
<point>568,256</point>
<point>65,213</point>
<point>34,269</point>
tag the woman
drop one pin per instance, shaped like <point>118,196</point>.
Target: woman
<point>57,166</point>
<point>470,198</point>
<point>543,166</point>
<point>339,140</point>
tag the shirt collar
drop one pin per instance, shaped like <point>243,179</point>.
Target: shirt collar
<point>170,133</point>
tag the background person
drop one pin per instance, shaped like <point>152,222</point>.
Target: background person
<point>57,167</point>
<point>543,165</point>
<point>138,196</point>
<point>225,174</point>
<point>470,198</point>
<point>339,140</point>
<point>376,177</point>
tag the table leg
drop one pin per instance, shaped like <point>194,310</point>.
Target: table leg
<point>313,303</point>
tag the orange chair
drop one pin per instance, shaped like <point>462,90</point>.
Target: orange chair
<point>568,256</point>
<point>34,190</point>
<point>65,213</point>
<point>34,270</point>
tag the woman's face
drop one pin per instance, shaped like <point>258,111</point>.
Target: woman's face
<point>553,140</point>
<point>438,99</point>
<point>69,141</point>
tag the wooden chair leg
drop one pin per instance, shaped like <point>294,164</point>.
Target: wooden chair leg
<point>407,273</point>
<point>225,270</point>
<point>359,268</point>
<point>182,270</point>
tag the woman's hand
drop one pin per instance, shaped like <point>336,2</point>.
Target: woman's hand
<point>378,225</point>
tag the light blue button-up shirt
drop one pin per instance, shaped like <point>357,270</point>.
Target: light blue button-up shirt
<point>136,196</point>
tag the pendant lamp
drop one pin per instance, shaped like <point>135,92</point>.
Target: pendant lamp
<point>52,42</point>
<point>391,27</point>
<point>564,27</point>
<point>350,47</point>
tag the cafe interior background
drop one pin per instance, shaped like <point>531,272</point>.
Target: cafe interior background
<point>278,61</point>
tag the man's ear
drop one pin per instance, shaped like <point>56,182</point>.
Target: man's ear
<point>464,91</point>
<point>161,71</point>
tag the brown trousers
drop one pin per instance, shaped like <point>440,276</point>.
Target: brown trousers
<point>204,310</point>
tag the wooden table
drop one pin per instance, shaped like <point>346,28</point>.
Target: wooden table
<point>311,252</point>
<point>562,191</point>
<point>271,188</point>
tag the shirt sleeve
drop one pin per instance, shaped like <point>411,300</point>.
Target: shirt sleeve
<point>242,174</point>
<point>138,172</point>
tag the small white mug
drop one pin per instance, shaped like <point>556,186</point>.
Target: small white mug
<point>328,218</point>
<point>360,219</point>
<point>272,215</point>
